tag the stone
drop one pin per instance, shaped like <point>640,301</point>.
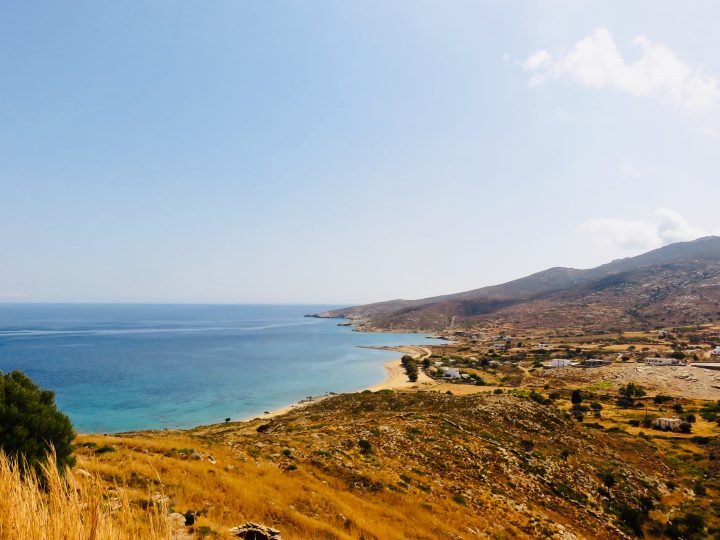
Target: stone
<point>83,473</point>
<point>176,520</point>
<point>255,531</point>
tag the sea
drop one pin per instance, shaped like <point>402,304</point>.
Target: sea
<point>122,367</point>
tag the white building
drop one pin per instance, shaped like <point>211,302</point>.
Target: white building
<point>559,362</point>
<point>593,363</point>
<point>716,351</point>
<point>499,346</point>
<point>663,362</point>
<point>451,372</point>
<point>668,423</point>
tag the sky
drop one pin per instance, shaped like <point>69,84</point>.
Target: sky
<point>346,152</point>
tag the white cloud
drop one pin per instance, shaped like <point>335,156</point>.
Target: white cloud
<point>624,233</point>
<point>668,227</point>
<point>632,170</point>
<point>537,60</point>
<point>596,62</point>
<point>674,228</point>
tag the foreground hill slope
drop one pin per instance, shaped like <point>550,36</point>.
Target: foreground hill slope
<point>392,465</point>
<point>675,285</point>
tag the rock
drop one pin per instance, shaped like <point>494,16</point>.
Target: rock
<point>160,499</point>
<point>211,460</point>
<point>176,520</point>
<point>255,531</point>
<point>83,473</point>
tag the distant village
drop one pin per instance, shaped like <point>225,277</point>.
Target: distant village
<point>500,361</point>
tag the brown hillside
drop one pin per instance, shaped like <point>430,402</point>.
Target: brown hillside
<point>394,465</point>
<point>674,285</point>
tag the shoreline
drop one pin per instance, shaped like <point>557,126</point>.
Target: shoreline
<point>395,379</point>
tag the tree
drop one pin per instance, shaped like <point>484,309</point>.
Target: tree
<point>30,424</point>
<point>628,393</point>
<point>685,427</point>
<point>576,397</point>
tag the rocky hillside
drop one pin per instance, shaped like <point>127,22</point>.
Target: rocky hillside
<point>675,285</point>
<point>399,465</point>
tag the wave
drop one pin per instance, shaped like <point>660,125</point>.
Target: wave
<point>130,331</point>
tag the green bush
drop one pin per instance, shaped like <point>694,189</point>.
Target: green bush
<point>30,424</point>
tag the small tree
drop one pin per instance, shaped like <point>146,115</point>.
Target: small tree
<point>30,424</point>
<point>576,397</point>
<point>628,394</point>
<point>685,427</point>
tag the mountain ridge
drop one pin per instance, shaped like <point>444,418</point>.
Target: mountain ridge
<point>675,284</point>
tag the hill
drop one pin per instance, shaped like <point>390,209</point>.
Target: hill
<point>677,284</point>
<point>395,465</point>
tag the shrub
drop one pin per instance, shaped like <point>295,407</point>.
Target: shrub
<point>365,446</point>
<point>576,397</point>
<point>699,489</point>
<point>685,427</point>
<point>608,479</point>
<point>30,424</point>
<point>632,518</point>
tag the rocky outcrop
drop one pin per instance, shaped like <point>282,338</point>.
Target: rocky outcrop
<point>255,531</point>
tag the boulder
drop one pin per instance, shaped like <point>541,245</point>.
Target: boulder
<point>255,531</point>
<point>176,520</point>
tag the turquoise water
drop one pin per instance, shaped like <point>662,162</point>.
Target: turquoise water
<point>126,367</point>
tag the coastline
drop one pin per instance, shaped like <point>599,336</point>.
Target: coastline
<point>395,379</point>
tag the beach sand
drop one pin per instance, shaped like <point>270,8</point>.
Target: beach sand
<point>396,379</point>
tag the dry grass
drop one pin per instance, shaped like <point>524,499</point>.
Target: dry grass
<point>253,484</point>
<point>70,507</point>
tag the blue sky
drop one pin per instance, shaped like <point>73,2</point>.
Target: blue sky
<point>342,152</point>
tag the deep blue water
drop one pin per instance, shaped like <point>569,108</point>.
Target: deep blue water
<point>125,367</point>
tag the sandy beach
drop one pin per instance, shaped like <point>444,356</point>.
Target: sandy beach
<point>396,379</point>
